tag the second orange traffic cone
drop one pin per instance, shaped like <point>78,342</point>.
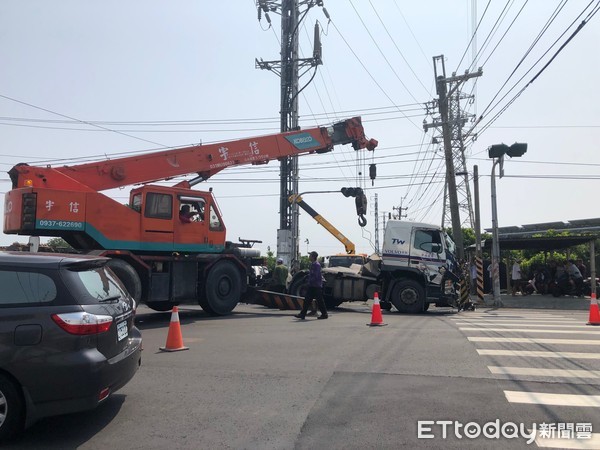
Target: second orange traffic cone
<point>174,338</point>
<point>376,316</point>
<point>594,312</point>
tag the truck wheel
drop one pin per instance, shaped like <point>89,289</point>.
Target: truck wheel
<point>408,296</point>
<point>386,306</point>
<point>332,303</point>
<point>161,306</point>
<point>128,276</point>
<point>299,285</point>
<point>11,409</point>
<point>222,290</point>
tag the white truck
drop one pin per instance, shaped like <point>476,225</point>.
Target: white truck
<point>417,267</point>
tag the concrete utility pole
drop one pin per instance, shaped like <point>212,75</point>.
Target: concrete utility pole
<point>478,256</point>
<point>451,120</point>
<point>376,213</point>
<point>288,70</point>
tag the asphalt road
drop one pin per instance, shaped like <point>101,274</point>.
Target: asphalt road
<point>262,379</point>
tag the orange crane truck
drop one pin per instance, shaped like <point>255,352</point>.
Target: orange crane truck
<point>163,259</point>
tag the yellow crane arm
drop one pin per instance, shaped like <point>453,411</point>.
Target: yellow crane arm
<point>348,244</point>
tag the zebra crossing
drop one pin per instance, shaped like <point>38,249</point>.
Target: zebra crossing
<point>551,361</point>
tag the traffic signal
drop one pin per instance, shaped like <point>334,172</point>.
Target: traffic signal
<point>496,151</point>
<point>352,192</point>
<point>516,150</point>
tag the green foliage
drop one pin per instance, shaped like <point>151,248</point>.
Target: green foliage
<point>59,244</point>
<point>271,260</point>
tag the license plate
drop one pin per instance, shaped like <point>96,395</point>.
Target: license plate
<point>122,331</point>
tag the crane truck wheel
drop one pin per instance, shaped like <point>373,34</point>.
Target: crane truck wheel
<point>408,296</point>
<point>128,276</point>
<point>222,289</point>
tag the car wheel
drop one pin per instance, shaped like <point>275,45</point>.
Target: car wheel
<point>222,290</point>
<point>408,296</point>
<point>128,276</point>
<point>11,409</point>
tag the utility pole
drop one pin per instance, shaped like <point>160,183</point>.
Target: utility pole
<point>452,120</point>
<point>376,212</point>
<point>400,209</point>
<point>288,70</point>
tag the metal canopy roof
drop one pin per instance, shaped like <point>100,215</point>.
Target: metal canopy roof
<point>578,225</point>
<point>539,243</point>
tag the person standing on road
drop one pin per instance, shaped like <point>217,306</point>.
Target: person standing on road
<point>575,278</point>
<point>315,289</point>
<point>516,276</point>
<point>280,274</point>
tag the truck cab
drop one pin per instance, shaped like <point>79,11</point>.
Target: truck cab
<point>418,266</point>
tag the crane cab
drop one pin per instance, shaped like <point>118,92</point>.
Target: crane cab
<point>183,219</point>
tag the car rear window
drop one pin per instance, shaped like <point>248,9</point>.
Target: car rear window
<point>25,288</point>
<point>96,285</point>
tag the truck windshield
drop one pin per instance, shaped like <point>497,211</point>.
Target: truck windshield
<point>450,244</point>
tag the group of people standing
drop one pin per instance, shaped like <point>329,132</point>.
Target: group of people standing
<point>540,276</point>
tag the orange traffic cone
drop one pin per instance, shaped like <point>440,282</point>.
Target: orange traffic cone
<point>376,317</point>
<point>174,338</point>
<point>594,313</point>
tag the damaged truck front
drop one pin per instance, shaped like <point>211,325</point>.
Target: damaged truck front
<point>417,267</point>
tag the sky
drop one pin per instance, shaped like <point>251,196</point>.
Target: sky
<point>86,81</point>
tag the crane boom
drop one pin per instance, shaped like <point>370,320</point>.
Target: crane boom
<point>204,160</point>
<point>348,244</point>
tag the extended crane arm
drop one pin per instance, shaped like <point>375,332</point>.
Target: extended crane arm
<point>348,244</point>
<point>204,160</point>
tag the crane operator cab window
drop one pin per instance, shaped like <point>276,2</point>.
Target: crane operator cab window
<point>136,203</point>
<point>214,220</point>
<point>192,211</point>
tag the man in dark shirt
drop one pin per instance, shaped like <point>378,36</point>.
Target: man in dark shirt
<point>315,289</point>
<point>186,215</point>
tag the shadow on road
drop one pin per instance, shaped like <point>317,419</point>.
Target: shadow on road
<point>69,431</point>
<point>151,320</point>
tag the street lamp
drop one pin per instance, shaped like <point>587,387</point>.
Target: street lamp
<point>497,152</point>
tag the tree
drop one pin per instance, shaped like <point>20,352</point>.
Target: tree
<point>59,245</point>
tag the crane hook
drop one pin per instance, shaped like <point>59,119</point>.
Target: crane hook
<point>362,220</point>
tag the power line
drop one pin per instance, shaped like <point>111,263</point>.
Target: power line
<point>498,114</point>
<point>367,70</point>
<point>398,48</point>
<point>81,121</point>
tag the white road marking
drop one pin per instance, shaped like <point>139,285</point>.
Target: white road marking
<point>530,318</point>
<point>528,324</point>
<point>538,354</point>
<point>566,373</point>
<point>544,398</point>
<point>534,340</point>
<point>526,330</point>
